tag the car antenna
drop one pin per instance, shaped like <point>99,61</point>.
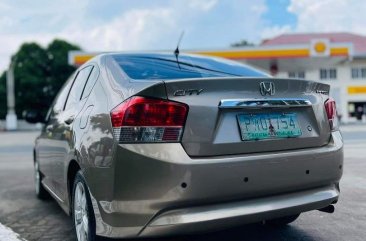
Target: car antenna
<point>176,51</point>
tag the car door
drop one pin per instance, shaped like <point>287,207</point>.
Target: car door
<point>73,105</point>
<point>47,146</point>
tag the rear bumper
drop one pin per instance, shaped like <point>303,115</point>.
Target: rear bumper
<point>149,198</point>
<point>213,217</point>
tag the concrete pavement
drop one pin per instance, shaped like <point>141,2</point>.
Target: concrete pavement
<point>6,234</point>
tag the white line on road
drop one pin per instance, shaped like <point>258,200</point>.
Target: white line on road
<point>6,234</point>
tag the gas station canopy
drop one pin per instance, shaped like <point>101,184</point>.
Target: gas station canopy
<point>290,57</point>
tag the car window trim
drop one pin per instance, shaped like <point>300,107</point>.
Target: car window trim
<point>86,82</point>
<point>68,94</point>
<point>64,87</point>
<point>73,83</point>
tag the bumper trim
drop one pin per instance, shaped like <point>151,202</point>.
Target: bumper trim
<point>293,202</point>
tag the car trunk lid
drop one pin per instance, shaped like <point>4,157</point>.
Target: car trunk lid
<point>219,107</point>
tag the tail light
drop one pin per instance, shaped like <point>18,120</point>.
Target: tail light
<point>330,108</point>
<point>141,120</point>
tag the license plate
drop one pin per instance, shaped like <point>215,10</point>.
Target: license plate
<point>268,126</point>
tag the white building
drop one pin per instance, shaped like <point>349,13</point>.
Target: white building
<point>335,58</point>
<point>345,73</point>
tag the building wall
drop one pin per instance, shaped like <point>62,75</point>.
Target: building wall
<point>339,86</point>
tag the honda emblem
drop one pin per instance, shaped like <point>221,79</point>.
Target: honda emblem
<point>267,88</point>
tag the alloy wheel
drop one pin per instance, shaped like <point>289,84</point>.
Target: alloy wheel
<point>37,177</point>
<point>81,218</point>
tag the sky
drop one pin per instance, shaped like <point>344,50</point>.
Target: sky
<point>120,25</point>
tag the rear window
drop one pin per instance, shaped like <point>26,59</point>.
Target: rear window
<point>160,66</point>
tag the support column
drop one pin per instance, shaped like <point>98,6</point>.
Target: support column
<point>11,117</point>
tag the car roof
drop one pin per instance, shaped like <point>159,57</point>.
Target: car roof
<point>164,55</point>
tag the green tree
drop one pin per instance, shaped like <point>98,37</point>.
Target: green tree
<point>241,43</point>
<point>31,75</point>
<point>60,70</point>
<point>39,74</point>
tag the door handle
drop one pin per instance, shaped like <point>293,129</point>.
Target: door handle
<point>70,119</point>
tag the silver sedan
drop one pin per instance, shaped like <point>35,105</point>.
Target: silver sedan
<point>154,144</point>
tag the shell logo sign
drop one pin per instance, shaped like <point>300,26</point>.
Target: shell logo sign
<point>319,48</point>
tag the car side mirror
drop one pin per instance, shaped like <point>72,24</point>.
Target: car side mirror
<point>34,116</point>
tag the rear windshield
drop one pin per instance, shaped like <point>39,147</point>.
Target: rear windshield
<point>160,66</point>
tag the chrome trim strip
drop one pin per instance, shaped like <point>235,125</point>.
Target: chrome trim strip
<point>52,193</point>
<point>300,200</point>
<point>264,103</point>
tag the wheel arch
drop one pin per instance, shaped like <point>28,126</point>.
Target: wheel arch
<point>72,169</point>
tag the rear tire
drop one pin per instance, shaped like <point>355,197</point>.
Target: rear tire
<point>82,210</point>
<point>41,192</point>
<point>282,221</point>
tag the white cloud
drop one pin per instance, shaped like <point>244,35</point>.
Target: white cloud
<point>9,44</point>
<point>259,9</point>
<point>4,6</point>
<point>329,15</point>
<point>205,5</point>
<point>322,16</point>
<point>6,22</point>
<point>133,30</point>
<point>40,16</point>
<point>127,25</point>
<point>274,31</point>
<point>34,21</point>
